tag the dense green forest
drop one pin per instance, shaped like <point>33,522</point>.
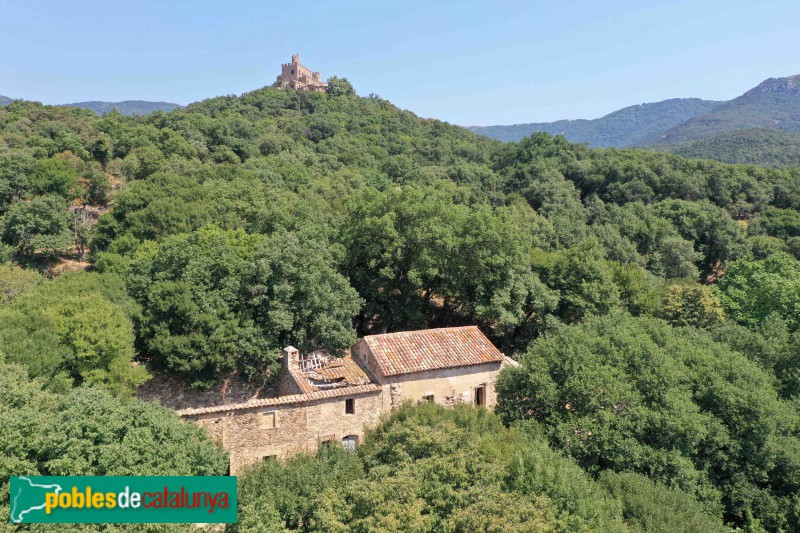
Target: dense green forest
<point>752,146</point>
<point>435,469</point>
<point>653,302</point>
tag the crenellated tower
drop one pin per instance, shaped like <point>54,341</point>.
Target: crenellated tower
<point>300,78</point>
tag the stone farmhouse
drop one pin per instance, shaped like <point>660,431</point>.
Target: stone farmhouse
<point>300,78</point>
<point>323,399</point>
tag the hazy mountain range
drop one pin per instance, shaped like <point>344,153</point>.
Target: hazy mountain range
<point>127,107</point>
<point>774,104</point>
<point>630,126</point>
<point>762,126</point>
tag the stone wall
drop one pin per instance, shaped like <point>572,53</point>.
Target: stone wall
<point>297,76</point>
<point>447,386</point>
<point>298,420</point>
<point>252,435</point>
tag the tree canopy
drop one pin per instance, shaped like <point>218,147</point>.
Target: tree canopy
<point>87,431</point>
<point>635,394</point>
<point>75,329</point>
<point>655,295</point>
<point>428,468</point>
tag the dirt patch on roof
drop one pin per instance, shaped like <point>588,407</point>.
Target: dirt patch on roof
<point>173,393</point>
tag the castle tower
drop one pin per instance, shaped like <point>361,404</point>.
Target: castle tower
<point>300,78</point>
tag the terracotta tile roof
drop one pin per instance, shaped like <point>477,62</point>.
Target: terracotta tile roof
<point>431,349</point>
<point>283,400</point>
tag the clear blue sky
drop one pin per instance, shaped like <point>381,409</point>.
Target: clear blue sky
<point>470,63</point>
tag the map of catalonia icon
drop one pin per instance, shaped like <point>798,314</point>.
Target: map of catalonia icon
<point>28,499</point>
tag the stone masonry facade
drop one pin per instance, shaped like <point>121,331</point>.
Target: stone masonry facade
<point>323,399</point>
<point>300,78</point>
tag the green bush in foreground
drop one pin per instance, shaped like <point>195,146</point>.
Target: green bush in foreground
<point>428,468</point>
<point>622,393</point>
<point>90,432</point>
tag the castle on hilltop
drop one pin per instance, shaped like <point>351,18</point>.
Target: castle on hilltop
<point>300,78</point>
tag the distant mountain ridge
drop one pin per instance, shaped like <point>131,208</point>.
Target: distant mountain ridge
<point>126,107</point>
<point>760,127</point>
<point>773,104</point>
<point>630,126</point>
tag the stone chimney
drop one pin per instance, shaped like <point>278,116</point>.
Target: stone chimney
<point>291,358</point>
<point>290,362</point>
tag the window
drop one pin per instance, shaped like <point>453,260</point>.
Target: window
<point>480,396</point>
<point>350,406</point>
<point>428,398</point>
<point>292,71</point>
<point>267,420</point>
<point>350,442</point>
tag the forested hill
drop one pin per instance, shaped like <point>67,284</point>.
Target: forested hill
<point>631,126</point>
<point>127,107</point>
<point>652,301</point>
<point>773,104</point>
<point>760,127</point>
<point>758,146</point>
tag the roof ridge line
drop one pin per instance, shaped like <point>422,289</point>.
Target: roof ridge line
<point>450,328</point>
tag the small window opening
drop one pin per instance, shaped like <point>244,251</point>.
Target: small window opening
<point>428,398</point>
<point>350,442</point>
<point>350,406</point>
<point>480,396</point>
